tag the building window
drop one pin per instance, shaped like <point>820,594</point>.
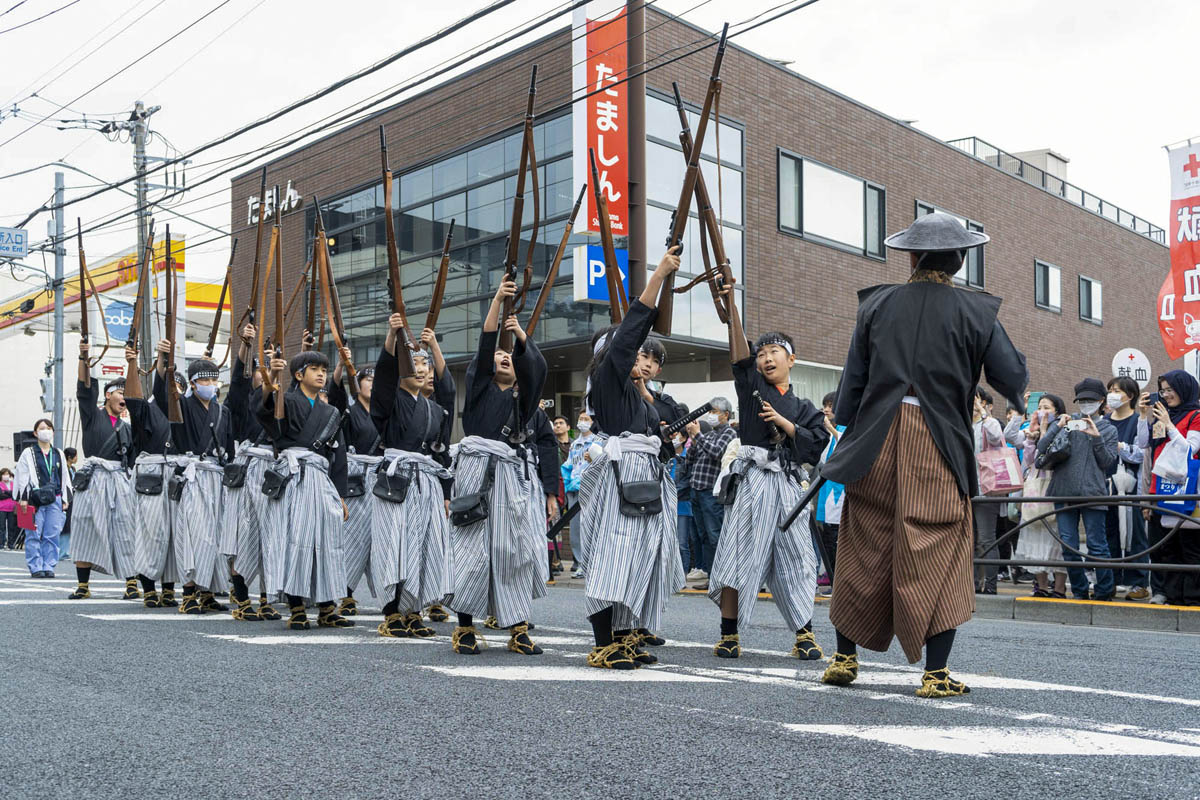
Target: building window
<point>829,206</point>
<point>971,273</point>
<point>1091,300</point>
<point>1047,289</point>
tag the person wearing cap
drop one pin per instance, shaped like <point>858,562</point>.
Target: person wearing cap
<point>205,439</point>
<point>102,523</point>
<point>779,432</point>
<point>907,458</point>
<point>498,537</point>
<point>1093,452</point>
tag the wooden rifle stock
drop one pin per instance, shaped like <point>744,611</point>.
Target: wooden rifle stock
<point>216,326</point>
<point>679,217</point>
<point>439,286</point>
<point>333,305</point>
<point>404,342</point>
<point>552,272</point>
<point>618,303</point>
<point>132,377</point>
<point>248,314</point>
<point>264,362</point>
<point>84,275</point>
<point>277,234</point>
<point>513,246</point>
<point>174,412</point>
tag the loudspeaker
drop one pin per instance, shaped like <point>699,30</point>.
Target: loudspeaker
<point>21,440</point>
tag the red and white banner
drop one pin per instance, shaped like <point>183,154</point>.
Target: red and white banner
<point>1179,300</point>
<point>599,122</point>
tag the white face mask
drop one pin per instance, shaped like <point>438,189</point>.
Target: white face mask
<point>1115,400</point>
<point>206,392</point>
<point>710,418</point>
<point>584,427</point>
<point>45,436</point>
<point>1089,408</point>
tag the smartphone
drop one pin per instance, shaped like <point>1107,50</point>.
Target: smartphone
<point>1032,404</point>
<point>1076,425</point>
<point>1154,399</point>
<point>548,403</point>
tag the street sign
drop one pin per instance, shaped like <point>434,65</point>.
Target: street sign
<point>590,284</point>
<point>1132,363</point>
<point>118,317</point>
<point>14,243</point>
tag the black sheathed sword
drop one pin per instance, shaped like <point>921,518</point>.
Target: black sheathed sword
<point>563,519</point>
<point>814,486</point>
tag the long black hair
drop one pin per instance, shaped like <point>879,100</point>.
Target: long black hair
<point>597,357</point>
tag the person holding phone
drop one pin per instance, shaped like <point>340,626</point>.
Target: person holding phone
<point>1093,451</point>
<point>42,481</point>
<point>1039,541</point>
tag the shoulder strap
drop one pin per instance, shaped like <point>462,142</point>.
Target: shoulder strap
<point>315,432</point>
<point>429,421</point>
<point>489,473</point>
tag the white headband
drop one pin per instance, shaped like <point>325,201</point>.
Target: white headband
<point>780,341</point>
<point>600,343</point>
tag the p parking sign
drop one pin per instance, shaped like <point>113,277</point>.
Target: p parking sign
<point>590,284</point>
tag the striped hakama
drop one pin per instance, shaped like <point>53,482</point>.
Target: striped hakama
<point>243,508</point>
<point>632,562</point>
<point>358,535</point>
<point>302,534</point>
<point>752,550</point>
<point>498,565</point>
<point>102,522</point>
<point>409,541</point>
<point>156,556</point>
<point>904,562</point>
<point>199,516</point>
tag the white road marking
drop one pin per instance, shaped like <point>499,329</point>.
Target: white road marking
<point>65,602</point>
<point>552,673</point>
<point>984,741</point>
<point>16,589</point>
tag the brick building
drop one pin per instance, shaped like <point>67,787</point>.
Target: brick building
<point>812,182</point>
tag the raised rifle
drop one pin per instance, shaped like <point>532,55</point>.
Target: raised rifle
<point>404,338</point>
<point>312,304</point>
<point>439,286</point>
<point>216,326</point>
<point>552,272</point>
<point>248,314</point>
<point>527,162</point>
<point>174,412</point>
<point>86,284</point>
<point>264,363</point>
<point>277,234</point>
<point>333,305</point>
<point>718,275</point>
<point>679,217</point>
<point>618,303</point>
<point>133,383</point>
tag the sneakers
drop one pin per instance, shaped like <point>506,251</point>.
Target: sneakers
<point>1137,593</point>
<point>1040,592</point>
<point>613,656</point>
<point>842,670</point>
<point>131,590</point>
<point>82,592</point>
<point>729,647</point>
<point>697,575</point>
<point>328,617</point>
<point>244,612</point>
<point>939,684</point>
<point>349,607</point>
<point>437,613</point>
<point>577,573</point>
<point>806,647</point>
<point>150,600</point>
<point>521,643</point>
<point>466,641</point>
<point>298,621</point>
<point>1159,600</point>
<point>1022,576</point>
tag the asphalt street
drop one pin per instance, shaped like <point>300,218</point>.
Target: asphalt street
<point>105,698</point>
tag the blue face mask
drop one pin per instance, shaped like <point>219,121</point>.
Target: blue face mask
<point>206,392</point>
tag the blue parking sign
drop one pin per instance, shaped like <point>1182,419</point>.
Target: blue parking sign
<point>590,284</point>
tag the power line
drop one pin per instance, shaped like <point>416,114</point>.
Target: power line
<point>13,8</point>
<point>37,19</point>
<point>186,61</point>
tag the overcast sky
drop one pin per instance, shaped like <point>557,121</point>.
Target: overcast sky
<point>1105,83</point>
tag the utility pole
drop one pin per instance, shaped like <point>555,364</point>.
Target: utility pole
<point>139,123</point>
<point>60,251</point>
<point>636,65</point>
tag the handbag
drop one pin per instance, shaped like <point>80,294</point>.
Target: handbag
<point>639,498</point>
<point>356,485</point>
<point>81,481</point>
<point>728,492</point>
<point>274,482</point>
<point>1036,485</point>
<point>392,488</point>
<point>467,509</point>
<point>999,471</point>
<point>1057,453</point>
<point>234,474</point>
<point>148,483</point>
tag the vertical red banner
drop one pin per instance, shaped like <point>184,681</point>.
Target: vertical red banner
<point>607,112</point>
<point>1179,312</point>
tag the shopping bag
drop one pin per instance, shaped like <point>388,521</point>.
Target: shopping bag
<point>25,518</point>
<point>1173,463</point>
<point>999,471</point>
<point>1164,488</point>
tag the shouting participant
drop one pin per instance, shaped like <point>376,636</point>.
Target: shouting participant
<point>627,525</point>
<point>303,522</point>
<point>102,524</point>
<point>778,432</point>
<point>497,542</point>
<point>409,535</point>
<point>907,458</point>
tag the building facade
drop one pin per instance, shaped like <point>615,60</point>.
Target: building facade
<point>810,183</point>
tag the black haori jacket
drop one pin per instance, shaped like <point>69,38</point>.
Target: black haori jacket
<point>931,341</point>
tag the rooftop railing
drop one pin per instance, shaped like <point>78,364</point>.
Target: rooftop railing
<point>1055,185</point>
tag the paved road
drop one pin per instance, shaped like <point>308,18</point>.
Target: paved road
<point>105,698</point>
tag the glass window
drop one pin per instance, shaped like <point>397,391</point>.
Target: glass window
<point>416,186</point>
<point>665,168</point>
<point>662,120</point>
<point>558,187</point>
<point>876,221</point>
<point>833,205</point>
<point>486,216</point>
<point>789,193</point>
<point>1047,290</point>
<point>726,194</point>
<point>485,161</point>
<point>1090,300</point>
<point>558,137</point>
<point>416,231</point>
<point>971,273</point>
<point>450,174</point>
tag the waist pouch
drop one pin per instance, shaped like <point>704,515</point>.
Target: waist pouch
<point>728,491</point>
<point>149,483</point>
<point>175,485</point>
<point>83,479</point>
<point>234,475</point>
<point>467,509</point>
<point>43,496</point>
<point>356,485</point>
<point>392,488</point>
<point>639,498</point>
<point>274,482</point>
